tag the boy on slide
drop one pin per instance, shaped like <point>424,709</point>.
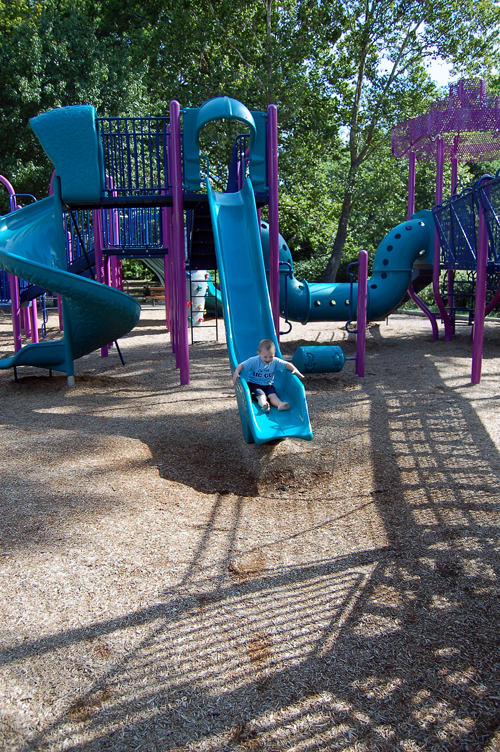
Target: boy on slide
<point>262,368</point>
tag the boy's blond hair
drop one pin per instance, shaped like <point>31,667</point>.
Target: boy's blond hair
<point>267,344</point>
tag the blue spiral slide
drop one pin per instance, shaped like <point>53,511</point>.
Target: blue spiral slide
<point>32,247</point>
<point>248,317</point>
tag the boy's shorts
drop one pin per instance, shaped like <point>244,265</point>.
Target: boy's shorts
<point>257,390</point>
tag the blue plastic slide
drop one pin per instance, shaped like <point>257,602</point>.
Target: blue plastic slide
<point>248,317</point>
<point>32,246</point>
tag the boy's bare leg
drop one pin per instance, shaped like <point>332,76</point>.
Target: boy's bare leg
<point>275,400</point>
<point>262,402</point>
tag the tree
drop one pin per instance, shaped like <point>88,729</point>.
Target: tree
<point>55,53</point>
<point>377,73</point>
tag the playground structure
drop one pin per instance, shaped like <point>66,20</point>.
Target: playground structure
<point>126,194</point>
<point>107,173</point>
<point>465,126</point>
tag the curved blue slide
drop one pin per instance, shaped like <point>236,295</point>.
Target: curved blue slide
<point>32,246</point>
<point>248,317</point>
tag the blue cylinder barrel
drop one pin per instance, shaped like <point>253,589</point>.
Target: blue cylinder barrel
<point>322,359</point>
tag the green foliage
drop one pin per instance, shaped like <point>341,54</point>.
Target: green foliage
<point>54,53</point>
<point>137,269</point>
<point>342,74</point>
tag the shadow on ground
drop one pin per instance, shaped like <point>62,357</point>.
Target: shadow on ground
<point>394,648</point>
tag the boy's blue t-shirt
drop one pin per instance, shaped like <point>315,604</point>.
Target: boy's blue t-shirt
<point>260,372</point>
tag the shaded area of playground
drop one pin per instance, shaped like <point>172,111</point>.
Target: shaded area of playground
<point>169,587</point>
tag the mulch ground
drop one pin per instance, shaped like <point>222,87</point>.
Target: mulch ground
<point>166,586</point>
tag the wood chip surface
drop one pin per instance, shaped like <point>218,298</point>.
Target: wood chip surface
<point>167,587</point>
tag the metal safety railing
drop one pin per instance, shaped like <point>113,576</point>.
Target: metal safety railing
<point>457,224</point>
<point>489,198</point>
<point>79,230</point>
<point>132,229</point>
<point>135,155</point>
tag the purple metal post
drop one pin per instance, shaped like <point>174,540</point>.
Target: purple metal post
<point>411,184</point>
<point>15,310</point>
<point>60,313</point>
<point>113,272</point>
<point>437,251</point>
<point>274,250</point>
<point>480,302</point>
<point>179,259</point>
<point>361,313</point>
<point>27,322</point>
<point>166,220</point>
<point>450,288</point>
<point>33,311</point>
<point>113,237</point>
<point>99,259</point>
<point>171,274</point>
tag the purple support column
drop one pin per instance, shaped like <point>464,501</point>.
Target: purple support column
<point>178,249</point>
<point>166,277</point>
<point>361,313</point>
<point>437,252</point>
<point>274,251</point>
<point>99,258</point>
<point>112,271</point>
<point>27,322</point>
<point>120,274</point>
<point>166,227</point>
<point>411,184</point>
<point>59,311</point>
<point>480,302</point>
<point>450,288</point>
<point>33,310</point>
<point>15,311</point>
<point>114,237</point>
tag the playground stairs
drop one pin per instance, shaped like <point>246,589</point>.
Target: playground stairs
<point>201,248</point>
<point>81,265</point>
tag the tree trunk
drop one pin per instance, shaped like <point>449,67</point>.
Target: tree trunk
<point>340,238</point>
